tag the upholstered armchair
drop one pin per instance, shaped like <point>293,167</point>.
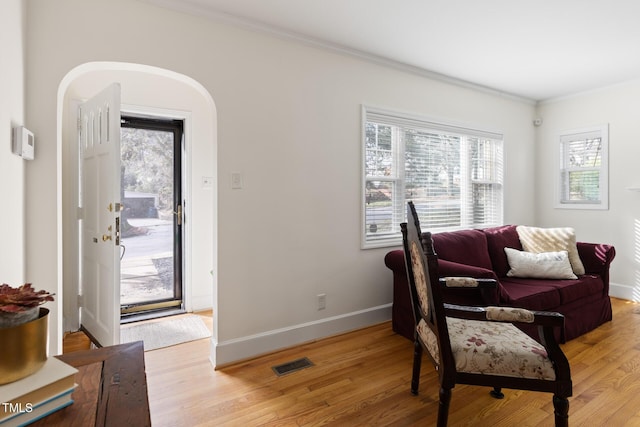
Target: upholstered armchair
<point>479,345</point>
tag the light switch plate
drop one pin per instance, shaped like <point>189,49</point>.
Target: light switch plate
<point>236,180</point>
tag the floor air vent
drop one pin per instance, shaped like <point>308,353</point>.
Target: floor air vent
<point>293,366</point>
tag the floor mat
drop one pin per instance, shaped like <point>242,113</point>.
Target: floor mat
<point>165,332</point>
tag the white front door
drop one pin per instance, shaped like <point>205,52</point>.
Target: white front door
<point>100,205</point>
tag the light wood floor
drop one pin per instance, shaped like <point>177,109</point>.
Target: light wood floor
<point>362,378</point>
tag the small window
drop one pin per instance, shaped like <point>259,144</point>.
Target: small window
<point>453,174</point>
<point>583,177</point>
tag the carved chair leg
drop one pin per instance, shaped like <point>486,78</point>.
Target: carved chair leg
<point>561,410</point>
<point>443,408</point>
<point>417,362</point>
<point>497,393</point>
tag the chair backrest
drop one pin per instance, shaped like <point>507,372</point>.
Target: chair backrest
<point>422,272</point>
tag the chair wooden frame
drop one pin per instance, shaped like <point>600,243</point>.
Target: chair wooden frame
<point>435,318</point>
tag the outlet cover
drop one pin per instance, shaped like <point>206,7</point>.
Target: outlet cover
<point>322,301</point>
<point>207,182</point>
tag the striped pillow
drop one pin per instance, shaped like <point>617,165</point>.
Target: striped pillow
<point>538,240</point>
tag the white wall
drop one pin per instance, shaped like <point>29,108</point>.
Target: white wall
<point>289,122</point>
<point>620,225</point>
<point>12,222</point>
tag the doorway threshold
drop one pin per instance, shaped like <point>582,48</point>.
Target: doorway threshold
<point>155,314</point>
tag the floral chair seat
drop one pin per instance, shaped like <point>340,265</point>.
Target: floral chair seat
<point>491,348</point>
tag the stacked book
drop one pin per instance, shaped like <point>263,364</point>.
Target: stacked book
<point>27,400</point>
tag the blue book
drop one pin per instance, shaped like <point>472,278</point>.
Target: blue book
<point>29,413</point>
<point>54,378</point>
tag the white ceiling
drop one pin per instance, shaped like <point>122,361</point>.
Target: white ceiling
<point>536,50</point>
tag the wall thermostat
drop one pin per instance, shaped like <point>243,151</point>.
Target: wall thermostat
<point>23,142</point>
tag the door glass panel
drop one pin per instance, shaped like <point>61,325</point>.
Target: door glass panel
<point>147,266</point>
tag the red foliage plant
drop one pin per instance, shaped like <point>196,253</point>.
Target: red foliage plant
<point>15,300</point>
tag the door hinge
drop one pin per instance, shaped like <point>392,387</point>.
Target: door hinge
<point>79,213</point>
<point>178,214</point>
<point>80,300</point>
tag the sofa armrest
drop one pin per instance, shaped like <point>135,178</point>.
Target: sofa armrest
<point>485,295</point>
<point>596,257</point>
<point>488,293</point>
<point>394,260</point>
<point>455,269</point>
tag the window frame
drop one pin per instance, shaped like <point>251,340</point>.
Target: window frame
<point>398,202</point>
<point>562,184</point>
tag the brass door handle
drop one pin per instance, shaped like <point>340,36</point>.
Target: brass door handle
<point>106,237</point>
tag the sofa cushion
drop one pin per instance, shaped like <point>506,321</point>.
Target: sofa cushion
<point>532,294</point>
<point>464,246</point>
<point>573,290</point>
<point>535,239</point>
<point>499,238</point>
<point>545,265</point>
<point>542,294</point>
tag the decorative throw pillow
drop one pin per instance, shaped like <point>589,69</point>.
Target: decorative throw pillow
<point>545,265</point>
<point>539,240</point>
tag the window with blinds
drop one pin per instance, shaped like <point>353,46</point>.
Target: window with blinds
<point>454,176</point>
<point>583,178</point>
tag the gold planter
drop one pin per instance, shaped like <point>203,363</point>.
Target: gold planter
<point>24,348</point>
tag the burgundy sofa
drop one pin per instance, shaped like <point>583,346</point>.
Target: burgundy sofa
<point>583,301</point>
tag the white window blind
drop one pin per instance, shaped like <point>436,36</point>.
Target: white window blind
<point>583,178</point>
<point>453,175</point>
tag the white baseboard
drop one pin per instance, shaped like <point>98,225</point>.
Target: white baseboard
<point>234,350</point>
<point>618,290</point>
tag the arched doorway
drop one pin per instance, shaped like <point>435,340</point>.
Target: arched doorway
<point>149,89</point>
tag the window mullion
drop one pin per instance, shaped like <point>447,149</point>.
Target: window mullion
<point>466,188</point>
<point>399,214</point>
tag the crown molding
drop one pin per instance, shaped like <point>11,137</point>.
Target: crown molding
<point>198,9</point>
